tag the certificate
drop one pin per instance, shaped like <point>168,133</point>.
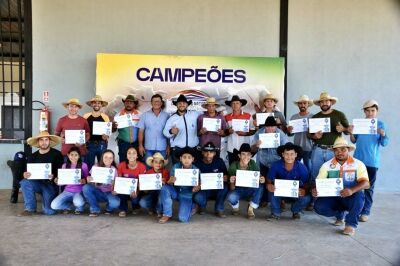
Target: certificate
<point>125,186</point>
<point>319,124</point>
<point>212,181</point>
<point>245,178</point>
<point>39,170</point>
<point>261,117</point>
<point>365,126</point>
<point>241,125</point>
<point>286,188</point>
<point>102,175</point>
<point>74,136</point>
<point>299,125</point>
<point>187,177</point>
<point>212,124</point>
<point>69,176</point>
<point>269,140</point>
<point>150,181</point>
<point>329,187</point>
<point>125,121</point>
<point>101,128</point>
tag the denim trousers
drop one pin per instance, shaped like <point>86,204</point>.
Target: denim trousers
<point>46,189</point>
<point>202,196</point>
<point>149,200</point>
<point>318,157</point>
<point>95,149</point>
<point>64,201</point>
<point>369,192</point>
<point>336,207</point>
<point>169,193</point>
<point>238,193</point>
<point>94,195</point>
<point>297,206</point>
<point>124,199</point>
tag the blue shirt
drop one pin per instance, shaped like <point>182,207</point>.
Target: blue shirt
<point>368,147</point>
<point>187,125</point>
<point>267,156</point>
<point>299,172</point>
<point>216,166</point>
<point>153,126</point>
<point>185,191</point>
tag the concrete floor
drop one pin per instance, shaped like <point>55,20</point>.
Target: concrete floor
<point>206,240</point>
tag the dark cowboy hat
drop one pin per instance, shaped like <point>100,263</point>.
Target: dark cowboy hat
<point>245,147</point>
<point>188,150</point>
<point>182,98</point>
<point>236,98</point>
<point>209,146</point>
<point>132,98</point>
<point>269,122</point>
<point>288,147</point>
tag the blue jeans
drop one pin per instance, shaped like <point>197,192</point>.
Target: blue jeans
<point>245,192</point>
<point>318,157</point>
<point>95,149</point>
<point>298,204</point>
<point>123,148</point>
<point>336,207</point>
<point>46,189</point>
<point>306,157</point>
<point>369,192</point>
<point>169,193</point>
<point>94,195</point>
<point>149,200</point>
<point>64,200</point>
<point>124,199</point>
<point>149,153</point>
<point>202,196</point>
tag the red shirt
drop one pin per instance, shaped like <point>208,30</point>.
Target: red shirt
<point>125,171</point>
<point>66,123</point>
<point>164,174</point>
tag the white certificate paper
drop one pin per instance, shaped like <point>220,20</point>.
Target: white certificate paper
<point>212,124</point>
<point>102,175</point>
<point>125,186</point>
<point>69,176</point>
<point>269,140</point>
<point>245,178</point>
<point>365,126</point>
<point>241,125</point>
<point>74,136</point>
<point>299,125</point>
<point>286,188</point>
<point>150,181</point>
<point>125,120</point>
<point>329,187</point>
<point>319,124</point>
<point>212,181</point>
<point>261,117</point>
<point>101,128</point>
<point>187,177</point>
<point>39,170</point>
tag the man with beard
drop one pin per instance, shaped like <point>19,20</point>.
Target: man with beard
<point>97,143</point>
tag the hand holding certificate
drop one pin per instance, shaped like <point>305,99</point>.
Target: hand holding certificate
<point>126,120</point>
<point>102,128</point>
<point>261,117</point>
<point>245,178</point>
<point>286,188</point>
<point>150,181</point>
<point>365,126</point>
<point>329,187</point>
<point>212,124</point>
<point>241,125</point>
<point>74,136</point>
<point>186,177</point>
<point>299,125</point>
<point>102,175</point>
<point>39,170</point>
<point>125,186</point>
<point>319,124</point>
<point>212,181</point>
<point>269,140</point>
<point>69,177</point>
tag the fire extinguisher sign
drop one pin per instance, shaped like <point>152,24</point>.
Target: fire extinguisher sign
<point>46,96</point>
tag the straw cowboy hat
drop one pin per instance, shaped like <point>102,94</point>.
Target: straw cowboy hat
<point>157,155</point>
<point>236,98</point>
<point>370,103</point>
<point>270,96</point>
<point>326,96</point>
<point>97,98</point>
<point>73,101</point>
<point>210,101</point>
<point>341,142</point>
<point>304,98</point>
<point>34,141</point>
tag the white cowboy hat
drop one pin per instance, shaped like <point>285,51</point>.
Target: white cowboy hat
<point>304,98</point>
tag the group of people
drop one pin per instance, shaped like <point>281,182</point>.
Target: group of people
<point>192,140</point>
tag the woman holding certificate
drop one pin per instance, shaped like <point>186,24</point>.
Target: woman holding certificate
<point>99,185</point>
<point>73,174</point>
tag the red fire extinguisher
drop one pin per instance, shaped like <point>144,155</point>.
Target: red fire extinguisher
<point>44,116</point>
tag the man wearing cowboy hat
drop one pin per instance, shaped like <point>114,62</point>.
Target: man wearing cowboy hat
<point>72,121</point>
<point>151,125</point>
<point>236,138</point>
<point>323,141</point>
<point>300,138</point>
<point>97,143</point>
<point>288,168</point>
<point>128,136</point>
<point>213,136</point>
<point>181,128</point>
<point>355,179</point>
<point>46,188</point>
<point>269,101</point>
<point>368,151</point>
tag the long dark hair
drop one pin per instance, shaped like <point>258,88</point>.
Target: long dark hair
<point>101,163</point>
<point>79,163</point>
<point>126,160</point>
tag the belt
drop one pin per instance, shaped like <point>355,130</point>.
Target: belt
<point>97,141</point>
<point>325,147</point>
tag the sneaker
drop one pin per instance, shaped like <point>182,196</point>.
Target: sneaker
<point>363,218</point>
<point>250,213</point>
<point>338,222</point>
<point>296,216</point>
<point>77,212</point>
<point>220,214</point>
<point>26,213</point>
<point>163,219</point>
<point>108,213</point>
<point>93,214</point>
<point>66,211</point>
<point>349,230</point>
<point>122,214</point>
<point>235,211</point>
<point>273,217</point>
